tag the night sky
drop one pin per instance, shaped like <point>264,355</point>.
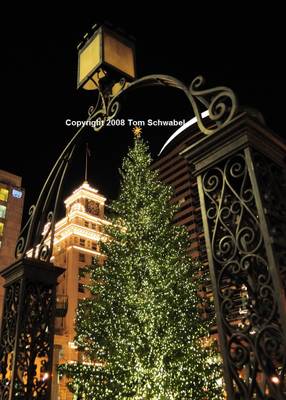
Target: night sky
<point>39,82</point>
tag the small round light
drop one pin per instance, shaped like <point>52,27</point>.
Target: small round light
<point>275,379</point>
<point>46,376</point>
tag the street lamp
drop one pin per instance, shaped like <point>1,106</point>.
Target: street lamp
<point>106,64</point>
<point>106,56</point>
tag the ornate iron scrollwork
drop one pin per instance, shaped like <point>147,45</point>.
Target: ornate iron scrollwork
<point>27,331</point>
<point>272,183</point>
<point>248,303</point>
<point>37,235</point>
<point>8,337</point>
<point>35,340</point>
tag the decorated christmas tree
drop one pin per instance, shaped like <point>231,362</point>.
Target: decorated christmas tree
<point>140,333</point>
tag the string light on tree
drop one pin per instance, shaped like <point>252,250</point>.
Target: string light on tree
<point>140,334</point>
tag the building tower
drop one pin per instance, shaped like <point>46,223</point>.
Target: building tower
<point>76,243</point>
<point>11,208</point>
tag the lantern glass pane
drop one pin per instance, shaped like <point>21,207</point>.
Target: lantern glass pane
<point>89,58</point>
<point>119,55</point>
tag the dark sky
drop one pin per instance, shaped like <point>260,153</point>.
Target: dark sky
<point>39,81</point>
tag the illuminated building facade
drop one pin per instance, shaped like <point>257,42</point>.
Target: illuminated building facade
<point>11,208</point>
<point>76,243</point>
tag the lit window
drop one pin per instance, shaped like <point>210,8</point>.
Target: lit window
<point>81,257</point>
<point>2,211</point>
<point>4,194</point>
<point>1,228</point>
<point>17,193</point>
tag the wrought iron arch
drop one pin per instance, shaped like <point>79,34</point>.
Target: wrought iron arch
<point>220,102</point>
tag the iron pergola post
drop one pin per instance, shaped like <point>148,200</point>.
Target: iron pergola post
<point>242,188</point>
<point>27,330</point>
